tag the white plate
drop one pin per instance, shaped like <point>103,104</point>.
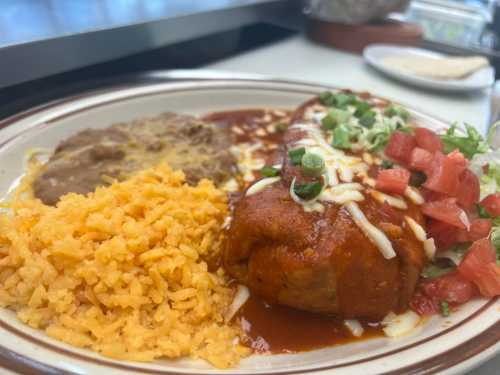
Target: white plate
<point>452,345</point>
<point>376,53</point>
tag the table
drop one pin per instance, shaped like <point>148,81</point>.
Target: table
<point>299,59</point>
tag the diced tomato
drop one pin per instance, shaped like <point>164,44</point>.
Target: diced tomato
<point>459,160</point>
<point>452,287</point>
<point>488,280</point>
<point>481,252</point>
<point>442,175</point>
<point>393,180</point>
<point>420,159</point>
<point>400,146</point>
<point>492,204</point>
<point>479,228</point>
<point>445,210</point>
<point>423,304</point>
<point>431,196</point>
<point>445,235</point>
<point>428,140</point>
<point>468,191</point>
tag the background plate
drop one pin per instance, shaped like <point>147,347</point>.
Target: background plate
<point>376,53</point>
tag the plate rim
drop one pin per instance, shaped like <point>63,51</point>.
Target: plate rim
<point>474,342</point>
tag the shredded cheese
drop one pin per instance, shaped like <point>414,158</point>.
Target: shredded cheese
<point>341,197</point>
<point>400,325</point>
<point>389,199</point>
<point>430,248</point>
<point>355,327</point>
<point>374,234</point>
<point>261,185</point>
<point>413,195</point>
<point>416,228</point>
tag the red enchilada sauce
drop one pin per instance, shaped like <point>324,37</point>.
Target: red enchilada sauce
<point>273,328</point>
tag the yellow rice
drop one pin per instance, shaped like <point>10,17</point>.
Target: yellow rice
<point>121,271</point>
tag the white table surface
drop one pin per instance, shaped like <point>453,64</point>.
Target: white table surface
<point>297,58</point>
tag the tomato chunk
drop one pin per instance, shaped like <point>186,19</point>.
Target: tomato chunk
<point>468,191</point>
<point>393,180</point>
<point>479,228</point>
<point>459,160</point>
<point>481,252</point>
<point>443,175</point>
<point>488,280</point>
<point>447,211</point>
<point>492,204</point>
<point>428,140</point>
<point>423,304</point>
<point>445,235</point>
<point>452,287</point>
<point>400,146</point>
<point>420,159</point>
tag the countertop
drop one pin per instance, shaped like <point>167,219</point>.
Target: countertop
<point>299,59</point>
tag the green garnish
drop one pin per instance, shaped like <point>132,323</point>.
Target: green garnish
<point>309,190</point>
<point>445,308</point>
<point>343,100</point>
<point>432,271</point>
<point>268,171</point>
<point>386,164</point>
<point>281,127</point>
<point>362,108</point>
<point>482,212</point>
<point>312,164</point>
<point>342,137</point>
<point>335,117</point>
<point>368,119</point>
<point>495,237</point>
<point>471,144</point>
<point>296,155</point>
<point>339,100</point>
<point>396,110</point>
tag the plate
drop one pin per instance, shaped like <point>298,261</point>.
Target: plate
<point>376,53</point>
<point>445,345</point>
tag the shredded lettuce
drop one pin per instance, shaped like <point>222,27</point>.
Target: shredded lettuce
<point>470,144</point>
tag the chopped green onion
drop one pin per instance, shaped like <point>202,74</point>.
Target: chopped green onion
<point>327,98</point>
<point>312,164</point>
<point>281,127</point>
<point>386,164</point>
<point>268,171</point>
<point>296,155</point>
<point>445,308</point>
<point>362,108</point>
<point>342,137</point>
<point>432,271</point>
<point>343,100</point>
<point>328,123</point>
<point>395,110</point>
<point>368,119</point>
<point>309,190</point>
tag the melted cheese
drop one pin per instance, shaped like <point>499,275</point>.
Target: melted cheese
<point>341,197</point>
<point>375,235</point>
<point>261,185</point>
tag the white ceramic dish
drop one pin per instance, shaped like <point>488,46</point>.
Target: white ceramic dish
<point>452,345</point>
<point>376,53</point>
